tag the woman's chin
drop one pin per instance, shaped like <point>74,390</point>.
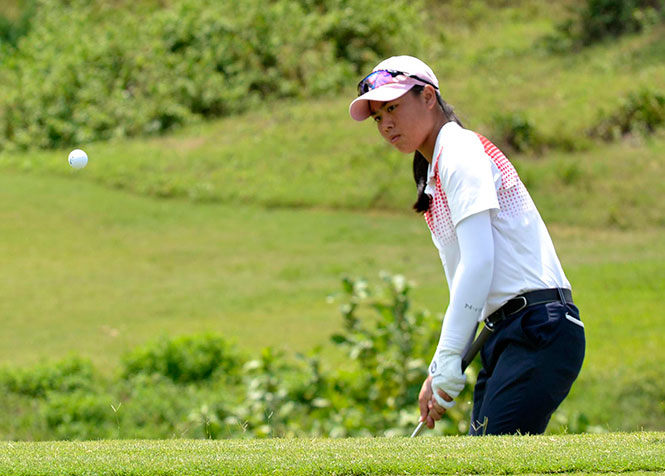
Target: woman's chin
<point>404,148</point>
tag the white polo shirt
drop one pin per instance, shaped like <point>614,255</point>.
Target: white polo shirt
<point>468,175</point>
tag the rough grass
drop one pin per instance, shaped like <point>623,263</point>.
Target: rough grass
<point>286,160</point>
<point>637,453</point>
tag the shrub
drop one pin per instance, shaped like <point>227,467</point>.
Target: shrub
<point>513,131</point>
<point>268,409</point>
<point>596,20</point>
<point>185,359</point>
<point>11,30</point>
<point>64,376</point>
<point>78,416</point>
<point>117,72</point>
<point>638,113</point>
<point>153,406</point>
<point>392,353</point>
<point>198,387</point>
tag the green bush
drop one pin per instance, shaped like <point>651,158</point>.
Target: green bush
<point>12,29</point>
<point>185,359</point>
<point>114,72</point>
<point>513,131</point>
<point>65,376</point>
<point>198,386</point>
<point>597,20</point>
<point>81,415</point>
<point>153,406</point>
<point>392,352</point>
<point>639,113</point>
<point>268,408</point>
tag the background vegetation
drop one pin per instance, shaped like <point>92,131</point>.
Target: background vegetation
<point>85,71</point>
<point>166,290</point>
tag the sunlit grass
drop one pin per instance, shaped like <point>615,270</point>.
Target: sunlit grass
<point>638,453</point>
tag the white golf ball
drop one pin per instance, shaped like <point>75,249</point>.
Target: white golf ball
<point>78,159</point>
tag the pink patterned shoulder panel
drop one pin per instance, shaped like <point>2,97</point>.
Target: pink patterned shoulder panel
<point>514,200</point>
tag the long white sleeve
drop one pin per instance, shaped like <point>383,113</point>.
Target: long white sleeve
<point>469,292</point>
<point>471,285</point>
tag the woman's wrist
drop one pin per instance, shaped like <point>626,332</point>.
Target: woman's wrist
<point>447,375</point>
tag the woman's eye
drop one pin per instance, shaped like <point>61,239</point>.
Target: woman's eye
<point>391,108</point>
<point>377,118</point>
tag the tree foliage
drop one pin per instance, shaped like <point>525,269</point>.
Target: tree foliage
<point>87,70</point>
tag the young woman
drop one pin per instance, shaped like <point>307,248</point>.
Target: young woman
<point>498,258</point>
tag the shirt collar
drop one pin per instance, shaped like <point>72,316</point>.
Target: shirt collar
<point>445,131</point>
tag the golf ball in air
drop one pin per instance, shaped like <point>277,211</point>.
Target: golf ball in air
<point>78,159</point>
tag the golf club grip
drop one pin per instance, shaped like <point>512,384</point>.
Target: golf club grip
<point>466,360</point>
<point>475,347</point>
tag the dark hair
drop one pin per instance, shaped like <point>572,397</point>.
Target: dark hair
<point>420,163</point>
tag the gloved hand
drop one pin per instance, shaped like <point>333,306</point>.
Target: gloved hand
<point>446,372</point>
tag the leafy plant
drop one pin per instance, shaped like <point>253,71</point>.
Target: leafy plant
<point>12,29</point>
<point>391,352</point>
<point>515,132</point>
<point>79,415</point>
<point>185,359</point>
<point>596,20</point>
<point>639,113</point>
<point>64,376</point>
<point>267,409</point>
<point>154,69</point>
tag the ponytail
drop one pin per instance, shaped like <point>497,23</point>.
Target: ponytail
<point>420,163</point>
<point>420,168</point>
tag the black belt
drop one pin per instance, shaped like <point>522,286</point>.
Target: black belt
<point>516,304</point>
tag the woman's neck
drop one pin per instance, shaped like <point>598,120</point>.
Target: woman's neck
<point>427,148</point>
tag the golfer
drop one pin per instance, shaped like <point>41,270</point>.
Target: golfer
<point>497,255</point>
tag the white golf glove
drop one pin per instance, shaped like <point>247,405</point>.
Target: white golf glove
<point>446,372</point>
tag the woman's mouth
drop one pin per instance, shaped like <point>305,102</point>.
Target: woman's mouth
<point>395,138</point>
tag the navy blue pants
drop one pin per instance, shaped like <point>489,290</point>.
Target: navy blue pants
<point>529,365</point>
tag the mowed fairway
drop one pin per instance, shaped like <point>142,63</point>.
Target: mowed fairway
<point>628,454</point>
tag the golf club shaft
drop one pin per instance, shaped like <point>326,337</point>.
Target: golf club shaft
<point>470,354</point>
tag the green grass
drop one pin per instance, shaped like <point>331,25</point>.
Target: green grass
<point>628,454</point>
<point>99,271</point>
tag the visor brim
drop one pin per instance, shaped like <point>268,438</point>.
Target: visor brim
<point>359,108</point>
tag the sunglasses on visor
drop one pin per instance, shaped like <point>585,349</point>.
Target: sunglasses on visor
<point>385,76</point>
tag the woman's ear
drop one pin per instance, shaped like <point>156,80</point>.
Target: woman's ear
<point>429,95</point>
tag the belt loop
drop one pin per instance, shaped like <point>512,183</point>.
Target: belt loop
<point>562,297</point>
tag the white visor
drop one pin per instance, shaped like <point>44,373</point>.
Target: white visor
<point>359,108</point>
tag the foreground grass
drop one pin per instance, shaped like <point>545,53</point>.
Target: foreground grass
<point>638,453</point>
